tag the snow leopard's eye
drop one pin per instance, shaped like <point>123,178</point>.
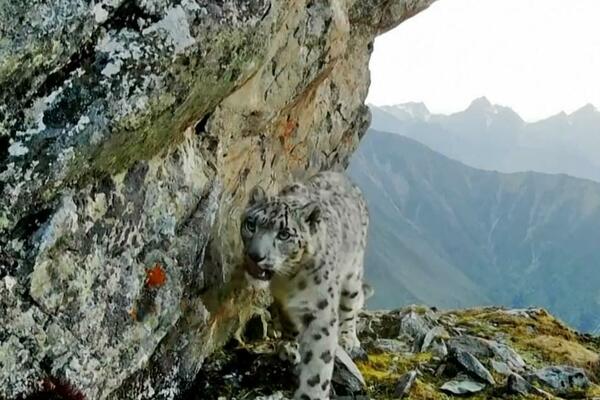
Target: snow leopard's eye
<point>283,235</point>
<point>250,225</point>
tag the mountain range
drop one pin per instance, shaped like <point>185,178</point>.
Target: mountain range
<point>494,137</point>
<point>450,235</point>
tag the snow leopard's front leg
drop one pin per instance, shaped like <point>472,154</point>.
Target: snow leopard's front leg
<point>318,341</point>
<point>288,332</point>
<point>351,301</point>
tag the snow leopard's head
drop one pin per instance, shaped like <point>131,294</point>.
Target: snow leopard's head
<point>276,232</point>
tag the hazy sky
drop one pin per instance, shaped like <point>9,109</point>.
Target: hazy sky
<point>537,56</point>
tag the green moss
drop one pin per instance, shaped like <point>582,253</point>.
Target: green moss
<point>426,391</point>
<point>153,136</point>
<point>382,371</point>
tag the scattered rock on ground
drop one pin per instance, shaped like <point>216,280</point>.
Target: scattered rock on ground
<point>391,345</point>
<point>437,332</point>
<point>434,342</point>
<point>477,346</point>
<point>473,366</point>
<point>501,368</point>
<point>405,384</point>
<point>358,354</point>
<point>439,349</point>
<point>414,326</point>
<point>508,355</point>
<point>257,373</point>
<point>347,378</point>
<point>462,386</point>
<point>516,384</point>
<point>274,396</point>
<point>485,349</point>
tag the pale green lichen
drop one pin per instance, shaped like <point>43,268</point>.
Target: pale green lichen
<point>4,220</point>
<point>140,136</point>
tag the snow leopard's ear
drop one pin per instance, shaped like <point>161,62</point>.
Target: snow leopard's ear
<point>311,213</point>
<point>257,195</point>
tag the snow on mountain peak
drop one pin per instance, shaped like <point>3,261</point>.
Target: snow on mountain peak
<point>409,111</point>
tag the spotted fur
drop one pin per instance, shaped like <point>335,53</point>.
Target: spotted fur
<point>308,243</point>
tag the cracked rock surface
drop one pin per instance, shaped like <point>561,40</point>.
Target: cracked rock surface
<point>130,134</point>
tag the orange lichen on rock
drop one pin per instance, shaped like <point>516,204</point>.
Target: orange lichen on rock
<point>156,276</point>
<point>133,313</point>
<point>289,127</point>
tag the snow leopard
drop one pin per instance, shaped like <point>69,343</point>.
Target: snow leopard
<point>307,244</point>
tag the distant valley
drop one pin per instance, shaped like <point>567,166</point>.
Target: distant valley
<point>449,235</point>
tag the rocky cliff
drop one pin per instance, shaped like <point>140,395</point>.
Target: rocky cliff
<point>130,133</point>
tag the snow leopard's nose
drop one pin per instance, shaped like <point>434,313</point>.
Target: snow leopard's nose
<point>256,256</point>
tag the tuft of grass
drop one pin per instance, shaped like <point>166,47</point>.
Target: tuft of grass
<point>426,391</point>
<point>382,371</point>
<point>559,350</point>
<point>593,392</point>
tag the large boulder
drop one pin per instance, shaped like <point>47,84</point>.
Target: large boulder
<point>130,134</point>
<point>562,379</point>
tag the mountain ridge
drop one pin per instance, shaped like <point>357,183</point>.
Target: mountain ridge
<point>483,102</point>
<point>446,234</point>
<point>493,137</point>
